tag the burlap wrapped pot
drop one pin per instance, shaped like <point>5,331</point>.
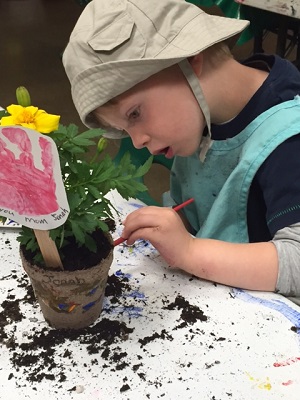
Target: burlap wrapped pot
<point>69,299</point>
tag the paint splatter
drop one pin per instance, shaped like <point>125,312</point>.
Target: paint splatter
<point>136,205</point>
<point>288,383</point>
<point>126,299</point>
<point>292,315</point>
<point>263,384</point>
<point>122,275</point>
<point>290,361</point>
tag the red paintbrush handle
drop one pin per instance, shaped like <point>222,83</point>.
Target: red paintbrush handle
<point>176,208</point>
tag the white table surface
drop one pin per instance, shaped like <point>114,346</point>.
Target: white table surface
<point>290,8</point>
<point>167,335</point>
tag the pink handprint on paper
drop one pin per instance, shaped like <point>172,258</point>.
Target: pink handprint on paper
<point>23,187</point>
<point>29,174</point>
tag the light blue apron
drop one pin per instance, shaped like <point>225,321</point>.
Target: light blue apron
<point>221,184</point>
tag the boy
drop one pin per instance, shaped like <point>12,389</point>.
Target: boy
<point>162,73</point>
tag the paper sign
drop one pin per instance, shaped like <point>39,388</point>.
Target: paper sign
<point>31,187</point>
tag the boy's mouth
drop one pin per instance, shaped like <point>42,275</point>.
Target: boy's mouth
<point>167,152</point>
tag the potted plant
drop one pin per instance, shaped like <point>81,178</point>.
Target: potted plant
<point>71,293</point>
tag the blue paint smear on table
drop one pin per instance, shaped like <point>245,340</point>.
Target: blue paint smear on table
<point>129,310</point>
<point>136,295</point>
<point>288,312</point>
<point>121,274</point>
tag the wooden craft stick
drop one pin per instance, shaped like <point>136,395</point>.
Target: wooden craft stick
<point>48,249</point>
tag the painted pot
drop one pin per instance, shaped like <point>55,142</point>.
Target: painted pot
<point>69,299</point>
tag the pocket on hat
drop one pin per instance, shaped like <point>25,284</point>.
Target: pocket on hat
<point>120,40</point>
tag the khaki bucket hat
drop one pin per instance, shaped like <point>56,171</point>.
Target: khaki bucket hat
<point>116,44</point>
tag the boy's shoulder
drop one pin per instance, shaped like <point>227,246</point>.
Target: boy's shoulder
<point>282,84</point>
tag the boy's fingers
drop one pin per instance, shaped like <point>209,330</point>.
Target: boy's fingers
<point>143,233</point>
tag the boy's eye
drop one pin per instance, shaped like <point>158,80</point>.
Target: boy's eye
<point>134,114</point>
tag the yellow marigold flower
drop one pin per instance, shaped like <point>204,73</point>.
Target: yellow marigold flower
<point>31,117</point>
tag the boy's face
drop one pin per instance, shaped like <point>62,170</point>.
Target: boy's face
<point>160,113</point>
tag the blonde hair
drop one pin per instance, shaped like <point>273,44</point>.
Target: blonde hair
<point>96,117</point>
<point>218,52</point>
<point>110,103</point>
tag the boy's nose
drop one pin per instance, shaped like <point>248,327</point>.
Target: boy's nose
<point>139,139</point>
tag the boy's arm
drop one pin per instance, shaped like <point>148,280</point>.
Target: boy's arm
<point>249,266</point>
<point>244,265</point>
<point>287,242</point>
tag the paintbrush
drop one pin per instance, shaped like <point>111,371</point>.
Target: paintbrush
<point>175,208</point>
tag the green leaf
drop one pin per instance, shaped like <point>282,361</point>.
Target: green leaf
<point>143,169</point>
<point>105,175</point>
<point>91,133</point>
<point>71,130</point>
<point>90,243</point>
<point>74,200</point>
<point>78,232</point>
<point>4,113</point>
<point>103,226</point>
<point>94,191</point>
<point>82,141</point>
<point>3,219</point>
<point>72,148</point>
<point>82,192</point>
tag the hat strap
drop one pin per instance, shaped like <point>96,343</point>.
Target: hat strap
<point>193,81</point>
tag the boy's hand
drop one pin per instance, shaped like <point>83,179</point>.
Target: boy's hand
<point>163,228</point>
<point>246,265</point>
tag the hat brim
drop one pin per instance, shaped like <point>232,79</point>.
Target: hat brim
<point>97,85</point>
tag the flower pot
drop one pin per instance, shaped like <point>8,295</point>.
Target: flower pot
<point>69,299</point>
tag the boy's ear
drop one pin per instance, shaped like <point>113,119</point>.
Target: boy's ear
<point>197,63</point>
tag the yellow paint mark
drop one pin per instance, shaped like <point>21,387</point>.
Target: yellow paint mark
<point>263,384</point>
